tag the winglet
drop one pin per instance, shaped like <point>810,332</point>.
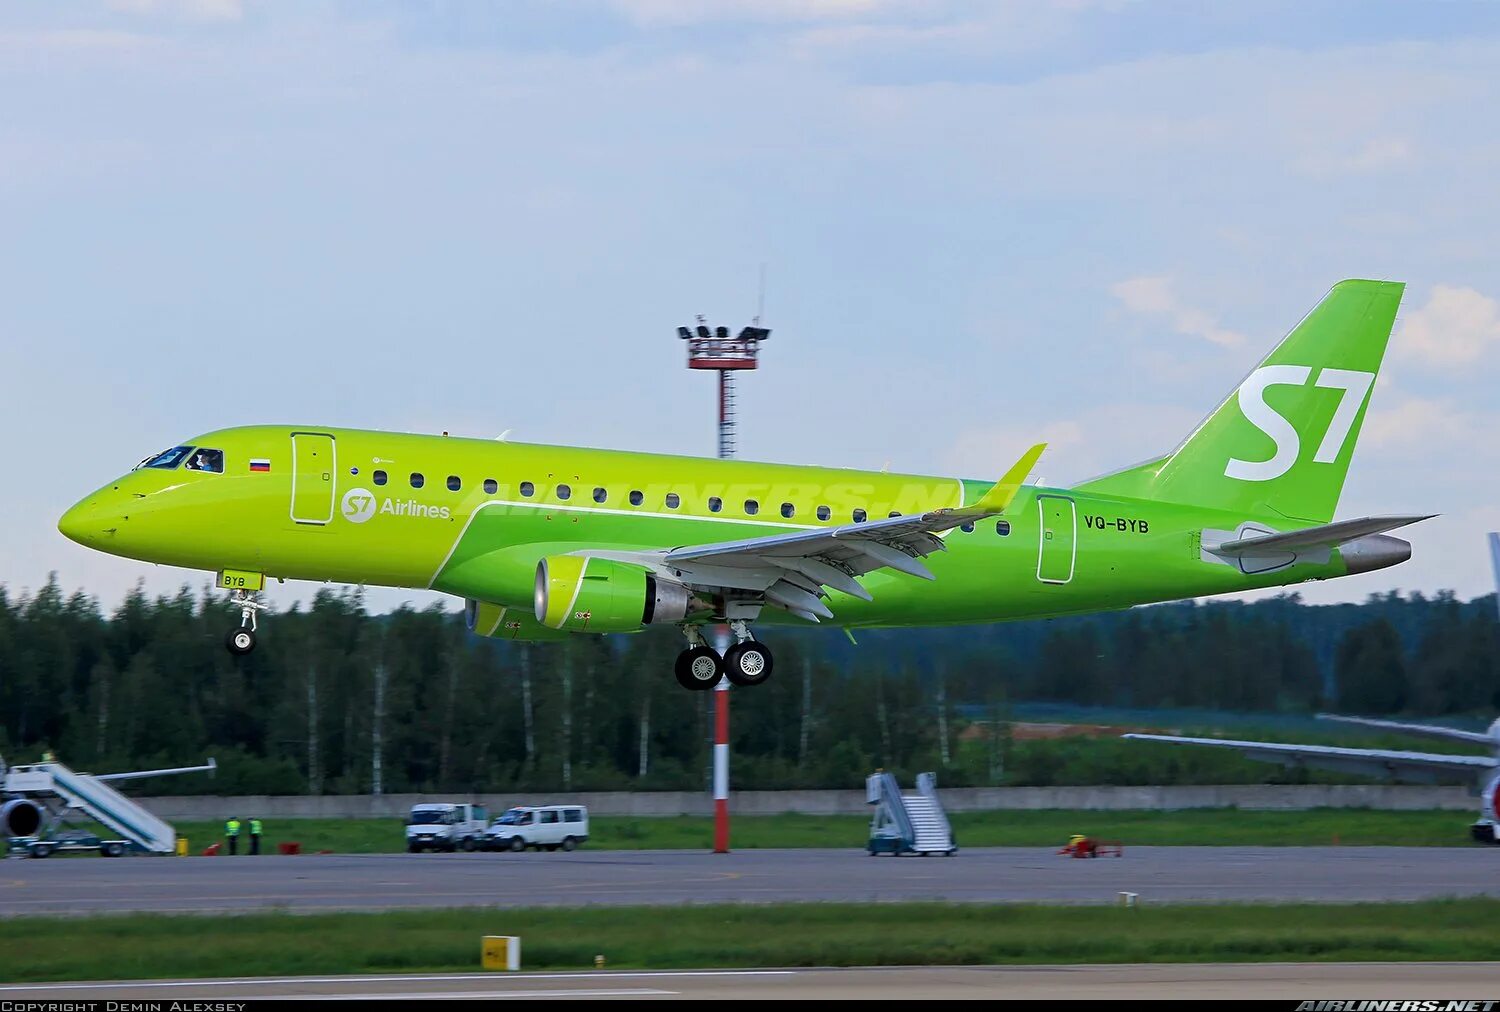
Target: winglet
<point>1004,490</point>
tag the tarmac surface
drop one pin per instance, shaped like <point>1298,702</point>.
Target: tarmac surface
<point>1299,981</point>
<point>305,884</point>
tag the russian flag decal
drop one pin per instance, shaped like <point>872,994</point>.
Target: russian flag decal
<point>260,464</point>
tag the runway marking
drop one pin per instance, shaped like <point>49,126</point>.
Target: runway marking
<point>407,978</point>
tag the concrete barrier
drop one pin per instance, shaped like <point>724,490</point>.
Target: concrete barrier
<point>956,799</point>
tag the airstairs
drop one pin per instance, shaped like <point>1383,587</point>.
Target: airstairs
<point>907,824</point>
<point>60,792</point>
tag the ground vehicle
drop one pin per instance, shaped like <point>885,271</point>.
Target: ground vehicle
<point>547,826</point>
<point>445,826</point>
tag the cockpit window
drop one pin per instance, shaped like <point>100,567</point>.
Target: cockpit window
<point>203,459</point>
<point>168,459</point>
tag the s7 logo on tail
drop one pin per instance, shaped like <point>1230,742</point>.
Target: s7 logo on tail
<point>1252,399</point>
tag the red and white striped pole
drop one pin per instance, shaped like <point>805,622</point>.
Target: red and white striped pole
<point>721,767</point>
<point>721,691</point>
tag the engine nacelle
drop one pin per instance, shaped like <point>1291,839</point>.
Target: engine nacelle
<point>580,594</point>
<point>20,817</point>
<point>504,623</point>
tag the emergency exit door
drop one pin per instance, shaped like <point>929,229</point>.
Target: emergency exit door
<point>313,466</point>
<point>1059,547</point>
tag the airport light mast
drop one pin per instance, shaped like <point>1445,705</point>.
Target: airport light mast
<point>715,349</point>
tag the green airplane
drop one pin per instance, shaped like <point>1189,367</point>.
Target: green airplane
<point>547,541</point>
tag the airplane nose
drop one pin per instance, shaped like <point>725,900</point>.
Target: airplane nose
<point>86,523</point>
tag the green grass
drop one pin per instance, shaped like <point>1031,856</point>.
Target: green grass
<point>813,934</point>
<point>1043,828</point>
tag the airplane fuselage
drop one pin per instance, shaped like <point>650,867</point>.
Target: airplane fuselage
<point>472,518</point>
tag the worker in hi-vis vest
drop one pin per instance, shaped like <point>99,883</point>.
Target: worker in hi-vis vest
<point>232,835</point>
<point>254,836</point>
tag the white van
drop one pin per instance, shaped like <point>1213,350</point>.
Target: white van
<point>445,827</point>
<point>545,826</point>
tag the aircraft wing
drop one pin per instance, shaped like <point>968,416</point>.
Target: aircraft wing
<point>1423,730</point>
<point>1396,764</point>
<point>1324,536</point>
<point>794,571</point>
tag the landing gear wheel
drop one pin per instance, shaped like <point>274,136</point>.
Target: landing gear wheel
<point>747,663</point>
<point>698,668</point>
<point>240,641</point>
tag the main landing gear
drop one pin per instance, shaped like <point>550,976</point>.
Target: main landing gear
<point>241,640</point>
<point>700,667</point>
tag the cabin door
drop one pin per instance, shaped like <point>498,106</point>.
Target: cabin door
<point>314,463</point>
<point>1059,539</point>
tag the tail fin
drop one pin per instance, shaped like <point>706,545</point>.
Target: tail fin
<point>1282,441</point>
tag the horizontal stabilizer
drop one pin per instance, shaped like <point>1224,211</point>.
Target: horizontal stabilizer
<point>1323,536</point>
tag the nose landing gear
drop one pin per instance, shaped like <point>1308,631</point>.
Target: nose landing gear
<point>241,640</point>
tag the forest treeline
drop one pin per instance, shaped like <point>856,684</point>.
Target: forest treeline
<point>335,700</point>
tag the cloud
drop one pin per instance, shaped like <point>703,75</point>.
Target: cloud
<point>687,12</point>
<point>192,10</point>
<point>1456,327</point>
<point>1416,423</point>
<point>1375,155</point>
<point>1155,296</point>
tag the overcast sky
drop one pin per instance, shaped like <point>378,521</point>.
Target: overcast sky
<point>984,223</point>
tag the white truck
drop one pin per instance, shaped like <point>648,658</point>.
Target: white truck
<point>445,826</point>
<point>543,827</point>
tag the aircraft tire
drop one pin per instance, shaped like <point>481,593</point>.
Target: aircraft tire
<point>240,641</point>
<point>748,663</point>
<point>698,668</point>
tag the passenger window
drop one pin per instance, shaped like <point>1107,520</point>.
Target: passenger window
<point>572,815</point>
<point>528,489</point>
<point>788,510</point>
<point>548,818</point>
<point>453,483</point>
<point>860,516</point>
<point>378,477</point>
<point>600,495</point>
<point>636,498</point>
<point>967,528</point>
<point>751,507</point>
<point>417,481</point>
<point>673,501</point>
<point>564,492</point>
<point>491,486</point>
<point>1002,527</point>
<point>824,512</point>
<point>211,461</point>
<point>715,504</point>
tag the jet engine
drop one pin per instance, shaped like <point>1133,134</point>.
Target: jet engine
<point>580,594</point>
<point>505,623</point>
<point>20,817</point>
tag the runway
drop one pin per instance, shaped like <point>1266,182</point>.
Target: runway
<point>1299,981</point>
<point>308,884</point>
